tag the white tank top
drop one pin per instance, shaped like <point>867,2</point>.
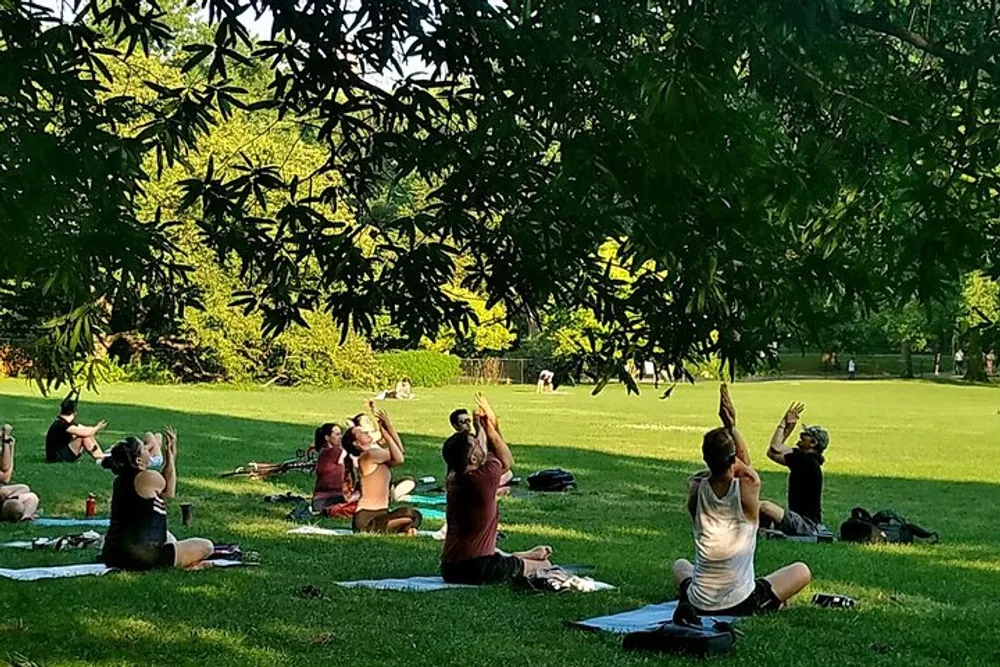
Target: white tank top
<point>725,542</point>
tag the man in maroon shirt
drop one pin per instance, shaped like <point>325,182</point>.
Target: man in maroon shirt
<point>470,553</point>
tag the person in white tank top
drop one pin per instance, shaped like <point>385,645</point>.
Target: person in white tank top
<point>724,503</point>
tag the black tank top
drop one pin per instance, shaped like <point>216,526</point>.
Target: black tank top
<point>134,519</point>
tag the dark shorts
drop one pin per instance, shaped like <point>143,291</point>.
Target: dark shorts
<point>760,601</point>
<point>496,569</point>
<point>66,455</point>
<point>794,524</point>
<point>320,504</point>
<point>377,521</point>
<point>140,557</point>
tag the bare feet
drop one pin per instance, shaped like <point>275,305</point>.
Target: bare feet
<point>412,532</point>
<point>540,553</point>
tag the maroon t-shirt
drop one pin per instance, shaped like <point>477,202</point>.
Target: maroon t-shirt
<point>329,473</point>
<point>472,512</point>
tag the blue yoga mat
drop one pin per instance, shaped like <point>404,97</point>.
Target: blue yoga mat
<point>424,500</point>
<point>429,513</point>
<point>67,523</point>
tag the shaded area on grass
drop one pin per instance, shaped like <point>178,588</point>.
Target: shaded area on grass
<point>919,605</point>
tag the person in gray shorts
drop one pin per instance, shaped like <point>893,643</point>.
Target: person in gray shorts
<point>804,515</point>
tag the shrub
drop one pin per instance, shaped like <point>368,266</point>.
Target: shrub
<point>151,371</point>
<point>425,368</point>
<point>314,356</point>
<point>13,361</point>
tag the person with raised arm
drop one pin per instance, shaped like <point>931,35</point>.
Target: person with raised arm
<point>724,503</point>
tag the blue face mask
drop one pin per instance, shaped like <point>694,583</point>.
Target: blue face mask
<point>156,461</point>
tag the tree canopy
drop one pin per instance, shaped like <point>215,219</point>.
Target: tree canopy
<point>758,165</point>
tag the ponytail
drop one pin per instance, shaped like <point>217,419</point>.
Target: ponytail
<point>123,457</point>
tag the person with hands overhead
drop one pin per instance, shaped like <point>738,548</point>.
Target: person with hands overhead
<point>475,468</point>
<point>66,439</point>
<point>17,502</point>
<point>724,503</point>
<point>138,538</point>
<point>374,466</point>
<point>804,516</point>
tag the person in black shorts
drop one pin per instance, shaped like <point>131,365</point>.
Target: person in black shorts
<point>475,469</point>
<point>66,440</point>
<point>138,538</point>
<point>17,502</point>
<point>804,516</point>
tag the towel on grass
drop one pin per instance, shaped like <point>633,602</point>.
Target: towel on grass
<point>84,570</point>
<point>649,617</point>
<point>66,523</point>
<point>411,584</point>
<point>340,532</point>
<point>84,540</point>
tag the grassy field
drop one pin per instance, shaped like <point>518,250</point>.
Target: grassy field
<point>929,451</point>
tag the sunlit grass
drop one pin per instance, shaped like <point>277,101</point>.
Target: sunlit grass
<point>926,450</point>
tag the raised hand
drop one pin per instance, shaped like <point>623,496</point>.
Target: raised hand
<point>793,414</point>
<point>101,425</point>
<point>727,412</point>
<point>483,407</point>
<point>383,419</point>
<point>169,441</point>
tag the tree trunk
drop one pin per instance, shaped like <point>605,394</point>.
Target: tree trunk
<point>975,371</point>
<point>907,352</point>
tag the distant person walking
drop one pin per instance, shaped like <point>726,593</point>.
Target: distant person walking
<point>937,363</point>
<point>991,360</point>
<point>959,361</point>
<point>852,368</point>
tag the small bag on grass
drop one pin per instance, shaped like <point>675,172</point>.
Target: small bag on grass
<point>553,479</point>
<point>703,640</point>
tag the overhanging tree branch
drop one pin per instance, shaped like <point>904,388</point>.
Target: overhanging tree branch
<point>875,23</point>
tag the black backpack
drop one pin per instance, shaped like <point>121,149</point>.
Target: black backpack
<point>553,479</point>
<point>701,639</point>
<point>884,527</point>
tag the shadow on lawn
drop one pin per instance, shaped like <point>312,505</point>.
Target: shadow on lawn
<point>627,517</point>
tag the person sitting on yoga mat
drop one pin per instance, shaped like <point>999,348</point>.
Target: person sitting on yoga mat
<point>66,440</point>
<point>17,502</point>
<point>804,516</point>
<point>334,469</point>
<point>374,464</point>
<point>725,506</point>
<point>137,538</point>
<point>470,555</point>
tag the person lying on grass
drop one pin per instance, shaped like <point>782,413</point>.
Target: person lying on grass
<point>374,465</point>
<point>334,469</point>
<point>470,554</point>
<point>725,507</point>
<point>66,440</point>
<point>138,538</point>
<point>17,502</point>
<point>804,515</point>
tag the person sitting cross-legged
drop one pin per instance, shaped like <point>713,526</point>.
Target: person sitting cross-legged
<point>804,516</point>
<point>724,504</point>
<point>470,555</point>
<point>17,502</point>
<point>138,538</point>
<point>66,439</point>
<point>374,466</point>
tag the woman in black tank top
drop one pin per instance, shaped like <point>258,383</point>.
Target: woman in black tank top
<point>138,538</point>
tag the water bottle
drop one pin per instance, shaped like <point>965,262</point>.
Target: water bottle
<point>91,505</point>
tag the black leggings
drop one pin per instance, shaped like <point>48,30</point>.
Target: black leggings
<point>377,521</point>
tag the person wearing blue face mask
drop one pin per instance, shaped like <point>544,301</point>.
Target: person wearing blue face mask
<point>153,442</point>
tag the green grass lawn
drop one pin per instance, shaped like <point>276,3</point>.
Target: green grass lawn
<point>929,451</point>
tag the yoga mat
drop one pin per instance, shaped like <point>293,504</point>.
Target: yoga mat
<point>429,513</point>
<point>67,523</point>
<point>341,532</point>
<point>424,500</point>
<point>647,618</point>
<point>410,585</point>
<point>84,570</point>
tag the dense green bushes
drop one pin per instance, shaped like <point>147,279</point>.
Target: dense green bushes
<point>425,368</point>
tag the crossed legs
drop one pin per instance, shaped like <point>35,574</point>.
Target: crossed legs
<point>786,582</point>
<point>88,444</point>
<point>17,503</point>
<point>190,552</point>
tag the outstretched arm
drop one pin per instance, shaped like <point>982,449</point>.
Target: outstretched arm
<point>6,459</point>
<point>81,431</point>
<point>397,455</point>
<point>727,413</point>
<point>777,450</point>
<point>497,444</point>
<point>170,463</point>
